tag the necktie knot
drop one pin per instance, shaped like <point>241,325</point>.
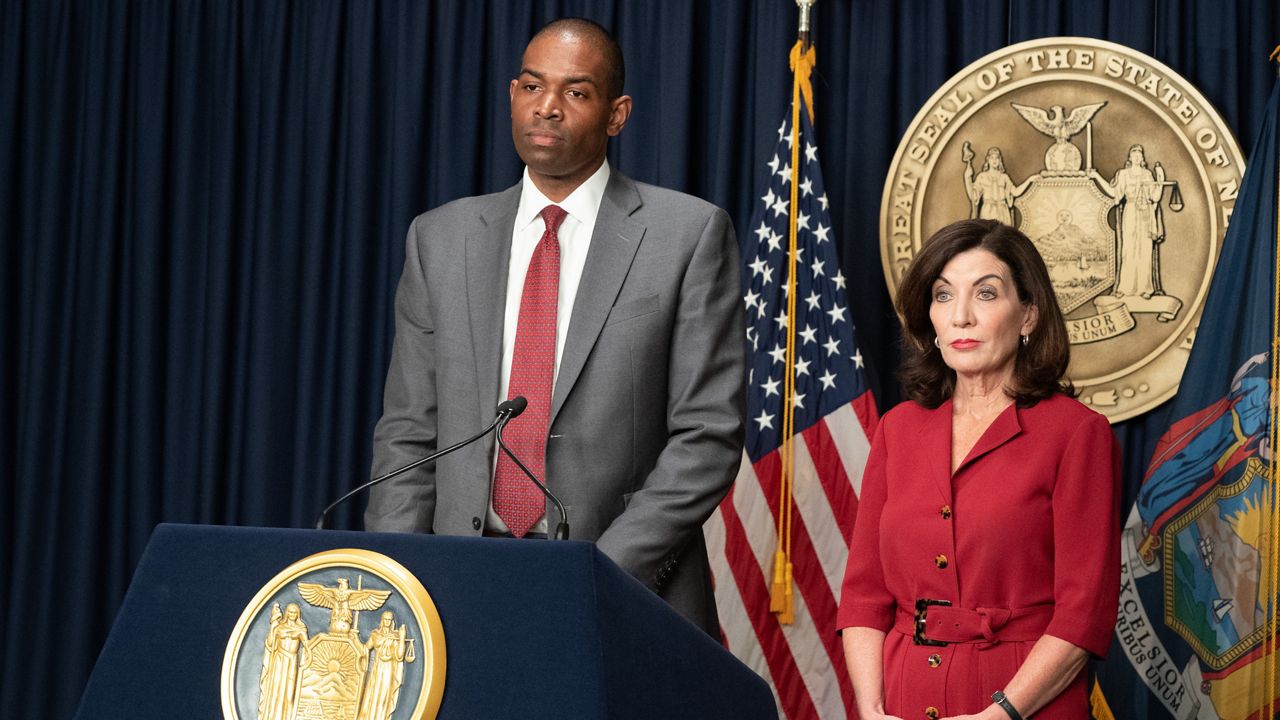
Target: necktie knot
<point>552,216</point>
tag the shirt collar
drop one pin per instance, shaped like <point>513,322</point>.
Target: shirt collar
<point>583,204</point>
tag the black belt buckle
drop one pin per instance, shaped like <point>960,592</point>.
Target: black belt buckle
<point>922,612</point>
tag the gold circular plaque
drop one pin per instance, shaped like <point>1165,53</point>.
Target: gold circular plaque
<point>1117,169</point>
<point>340,634</point>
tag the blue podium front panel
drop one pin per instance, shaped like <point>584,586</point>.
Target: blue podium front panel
<point>532,629</point>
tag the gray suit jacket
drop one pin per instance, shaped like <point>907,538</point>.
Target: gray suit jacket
<point>646,425</point>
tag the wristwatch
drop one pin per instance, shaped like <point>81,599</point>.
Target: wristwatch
<point>998,698</point>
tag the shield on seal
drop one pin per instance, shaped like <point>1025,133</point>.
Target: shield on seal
<point>1066,218</point>
<point>1215,558</point>
<point>329,683</point>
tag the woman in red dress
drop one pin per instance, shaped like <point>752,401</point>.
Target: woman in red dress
<point>984,567</point>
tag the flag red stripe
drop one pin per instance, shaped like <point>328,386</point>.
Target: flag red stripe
<point>808,574</point>
<point>865,407</point>
<point>812,583</point>
<point>833,476</point>
<point>753,588</point>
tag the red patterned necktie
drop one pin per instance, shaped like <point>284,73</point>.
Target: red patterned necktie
<point>516,500</point>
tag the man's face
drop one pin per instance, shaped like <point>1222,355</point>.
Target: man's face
<point>561,117</point>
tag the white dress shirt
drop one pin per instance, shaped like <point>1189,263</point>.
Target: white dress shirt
<point>574,234</point>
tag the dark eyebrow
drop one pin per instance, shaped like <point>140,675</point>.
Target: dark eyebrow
<point>572,80</point>
<point>942,279</point>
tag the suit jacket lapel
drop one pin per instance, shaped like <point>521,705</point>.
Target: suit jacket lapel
<point>1000,431</point>
<point>488,255</point>
<point>614,243</point>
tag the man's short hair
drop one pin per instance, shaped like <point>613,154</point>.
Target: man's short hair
<point>600,39</point>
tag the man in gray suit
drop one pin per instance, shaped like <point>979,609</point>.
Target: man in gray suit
<point>640,432</point>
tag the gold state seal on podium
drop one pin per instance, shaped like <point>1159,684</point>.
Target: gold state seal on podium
<point>301,651</point>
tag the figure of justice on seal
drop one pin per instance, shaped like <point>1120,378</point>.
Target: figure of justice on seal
<point>333,675</point>
<point>1065,208</point>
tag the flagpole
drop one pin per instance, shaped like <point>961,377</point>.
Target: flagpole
<point>781,594</point>
<point>806,7</point>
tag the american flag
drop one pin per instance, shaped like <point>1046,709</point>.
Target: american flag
<point>834,417</point>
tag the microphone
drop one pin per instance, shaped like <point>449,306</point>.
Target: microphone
<point>513,407</point>
<point>506,411</point>
<point>562,530</point>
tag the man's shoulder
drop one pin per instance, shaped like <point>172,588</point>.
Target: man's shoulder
<point>467,209</point>
<point>659,201</point>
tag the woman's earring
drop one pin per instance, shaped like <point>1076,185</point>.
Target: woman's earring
<point>936,343</point>
<point>1025,338</point>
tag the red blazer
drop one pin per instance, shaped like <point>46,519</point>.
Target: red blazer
<point>1030,522</point>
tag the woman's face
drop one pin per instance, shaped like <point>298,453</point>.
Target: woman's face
<point>1135,156</point>
<point>977,316</point>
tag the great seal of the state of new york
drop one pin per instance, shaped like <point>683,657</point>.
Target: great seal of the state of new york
<point>1119,171</point>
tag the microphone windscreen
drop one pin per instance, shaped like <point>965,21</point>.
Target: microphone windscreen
<point>514,406</point>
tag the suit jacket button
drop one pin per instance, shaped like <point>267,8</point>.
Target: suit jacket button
<point>940,561</point>
<point>475,523</point>
<point>935,660</point>
<point>931,713</point>
<point>945,512</point>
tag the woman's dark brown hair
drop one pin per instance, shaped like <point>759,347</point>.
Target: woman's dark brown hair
<point>1040,365</point>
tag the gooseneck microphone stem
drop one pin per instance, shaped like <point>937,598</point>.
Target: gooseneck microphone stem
<point>506,411</point>
<point>562,529</point>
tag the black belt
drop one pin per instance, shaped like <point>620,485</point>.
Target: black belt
<point>936,622</point>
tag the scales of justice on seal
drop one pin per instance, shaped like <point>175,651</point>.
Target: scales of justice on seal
<point>1116,168</point>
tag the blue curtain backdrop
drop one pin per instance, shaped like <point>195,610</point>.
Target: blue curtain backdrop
<point>203,205</point>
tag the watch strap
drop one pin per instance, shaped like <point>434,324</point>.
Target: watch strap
<point>999,698</point>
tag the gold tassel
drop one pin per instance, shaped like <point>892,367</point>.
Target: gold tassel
<point>778,590</point>
<point>788,615</point>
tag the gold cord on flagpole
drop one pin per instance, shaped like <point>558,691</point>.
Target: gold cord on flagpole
<point>780,595</point>
<point>781,591</point>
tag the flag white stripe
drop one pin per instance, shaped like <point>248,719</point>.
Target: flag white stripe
<point>739,634</point>
<point>813,662</point>
<point>757,519</point>
<point>820,521</point>
<point>851,443</point>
